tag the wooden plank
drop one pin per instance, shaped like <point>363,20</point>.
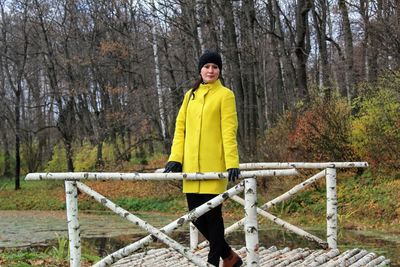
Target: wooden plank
<point>165,257</point>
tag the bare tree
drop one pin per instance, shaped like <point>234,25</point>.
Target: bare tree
<point>320,14</point>
<point>301,50</point>
<point>348,41</point>
<point>14,66</point>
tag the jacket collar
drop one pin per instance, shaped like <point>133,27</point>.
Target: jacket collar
<point>210,86</point>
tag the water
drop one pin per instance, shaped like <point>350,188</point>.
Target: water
<point>103,233</point>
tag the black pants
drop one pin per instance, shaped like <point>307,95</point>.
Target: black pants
<point>211,226</point>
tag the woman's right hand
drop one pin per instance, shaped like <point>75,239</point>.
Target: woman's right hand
<point>173,166</point>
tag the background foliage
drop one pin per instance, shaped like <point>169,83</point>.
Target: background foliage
<point>101,81</point>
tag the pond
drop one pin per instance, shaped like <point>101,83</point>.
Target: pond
<point>104,233</point>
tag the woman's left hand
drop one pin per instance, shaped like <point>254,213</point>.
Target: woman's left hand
<point>233,174</point>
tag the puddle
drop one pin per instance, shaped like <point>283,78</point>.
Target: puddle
<point>103,233</point>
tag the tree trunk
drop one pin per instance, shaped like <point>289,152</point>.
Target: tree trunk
<point>232,54</point>
<point>161,109</point>
<point>320,22</point>
<point>302,9</point>
<point>198,26</point>
<point>7,156</point>
<point>348,51</point>
<point>285,93</point>
<point>15,75</point>
<point>255,111</point>
<point>17,140</point>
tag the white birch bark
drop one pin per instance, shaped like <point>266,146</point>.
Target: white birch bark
<point>236,5</point>
<point>194,236</point>
<point>277,260</point>
<point>376,261</point>
<point>104,176</point>
<point>356,257</point>
<point>297,165</point>
<point>198,26</point>
<point>158,74</point>
<point>301,165</point>
<point>73,223</point>
<point>340,260</point>
<point>293,191</point>
<point>274,254</point>
<point>191,216</point>
<point>310,258</point>
<point>142,224</point>
<point>331,208</point>
<point>251,224</point>
<point>275,201</point>
<point>364,260</point>
<point>323,258</point>
<point>285,224</point>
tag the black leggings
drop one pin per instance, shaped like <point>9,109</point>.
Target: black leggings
<point>211,226</point>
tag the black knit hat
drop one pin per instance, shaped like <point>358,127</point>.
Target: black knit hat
<point>210,57</point>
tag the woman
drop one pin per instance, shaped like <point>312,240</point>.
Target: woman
<point>205,141</point>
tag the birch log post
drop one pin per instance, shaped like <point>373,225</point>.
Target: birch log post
<point>194,236</point>
<point>251,224</point>
<point>71,192</point>
<point>331,208</point>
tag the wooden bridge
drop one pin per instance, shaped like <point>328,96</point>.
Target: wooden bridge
<point>253,254</point>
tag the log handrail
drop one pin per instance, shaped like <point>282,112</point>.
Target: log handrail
<point>247,183</point>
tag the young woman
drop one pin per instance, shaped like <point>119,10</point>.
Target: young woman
<point>205,141</point>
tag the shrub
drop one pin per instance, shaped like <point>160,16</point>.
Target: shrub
<point>58,162</point>
<point>376,126</point>
<point>85,158</point>
<point>275,146</point>
<point>323,132</point>
<point>320,133</point>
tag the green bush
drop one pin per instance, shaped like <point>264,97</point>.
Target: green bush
<point>376,126</point>
<point>2,164</point>
<point>85,158</point>
<point>58,162</point>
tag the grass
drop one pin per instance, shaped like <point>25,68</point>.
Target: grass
<point>50,195</point>
<point>366,201</point>
<point>56,254</point>
<point>21,257</point>
<point>40,195</point>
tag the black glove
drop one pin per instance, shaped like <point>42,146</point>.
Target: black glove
<point>233,174</point>
<point>173,166</point>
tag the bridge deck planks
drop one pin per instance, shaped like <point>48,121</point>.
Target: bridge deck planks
<point>166,257</point>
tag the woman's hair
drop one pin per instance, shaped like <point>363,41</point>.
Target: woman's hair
<point>195,87</point>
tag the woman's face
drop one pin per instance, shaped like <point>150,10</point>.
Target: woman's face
<point>210,73</point>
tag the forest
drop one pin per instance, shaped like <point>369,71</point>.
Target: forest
<point>88,85</point>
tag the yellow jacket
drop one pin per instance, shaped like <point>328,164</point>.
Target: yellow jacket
<point>205,136</point>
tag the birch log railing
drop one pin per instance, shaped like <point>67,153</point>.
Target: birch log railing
<point>329,172</point>
<point>249,173</point>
